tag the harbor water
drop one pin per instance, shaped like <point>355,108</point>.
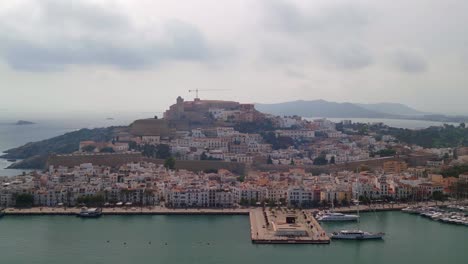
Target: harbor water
<point>220,239</point>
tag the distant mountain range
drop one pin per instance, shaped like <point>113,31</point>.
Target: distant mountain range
<point>322,108</point>
<point>392,108</point>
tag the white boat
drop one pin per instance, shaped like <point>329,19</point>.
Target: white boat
<point>412,210</point>
<point>356,235</point>
<point>335,217</point>
<point>90,212</point>
<point>437,216</point>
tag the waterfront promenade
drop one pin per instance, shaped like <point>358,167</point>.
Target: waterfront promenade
<point>149,210</point>
<point>160,210</point>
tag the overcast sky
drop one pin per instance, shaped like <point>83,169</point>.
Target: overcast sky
<point>140,55</point>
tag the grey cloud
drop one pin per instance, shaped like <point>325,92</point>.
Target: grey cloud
<point>84,34</point>
<point>409,62</point>
<point>331,35</point>
<point>289,18</point>
<point>296,74</point>
<point>348,57</point>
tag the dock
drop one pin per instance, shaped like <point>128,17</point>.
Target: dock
<point>283,226</point>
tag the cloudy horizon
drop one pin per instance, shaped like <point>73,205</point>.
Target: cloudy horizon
<point>119,56</point>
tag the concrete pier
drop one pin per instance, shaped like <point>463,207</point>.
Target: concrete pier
<point>282,226</point>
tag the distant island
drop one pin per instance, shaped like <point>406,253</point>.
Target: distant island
<point>322,108</point>
<point>23,122</point>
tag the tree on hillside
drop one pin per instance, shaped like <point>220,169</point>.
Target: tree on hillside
<point>332,160</point>
<point>386,152</point>
<point>24,200</point>
<point>169,163</point>
<point>91,200</point>
<point>107,150</point>
<point>148,150</point>
<point>438,196</point>
<point>88,148</point>
<point>320,160</point>
<point>163,151</point>
<point>132,145</point>
<point>269,160</point>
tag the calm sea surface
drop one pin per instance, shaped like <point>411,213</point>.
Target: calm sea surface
<point>219,239</point>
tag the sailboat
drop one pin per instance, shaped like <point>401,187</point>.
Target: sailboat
<point>356,234</point>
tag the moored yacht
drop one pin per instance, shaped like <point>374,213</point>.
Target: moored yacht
<point>90,212</point>
<point>356,235</point>
<point>332,217</point>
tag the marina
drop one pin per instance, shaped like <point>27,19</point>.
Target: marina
<point>452,214</point>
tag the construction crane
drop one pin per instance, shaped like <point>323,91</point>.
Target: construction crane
<point>197,90</point>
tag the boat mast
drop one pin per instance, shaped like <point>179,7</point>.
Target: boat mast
<point>357,195</point>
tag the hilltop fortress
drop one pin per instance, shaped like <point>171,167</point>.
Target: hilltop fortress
<point>204,112</point>
<point>187,115</point>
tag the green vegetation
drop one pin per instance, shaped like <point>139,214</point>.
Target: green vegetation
<point>455,171</point>
<point>385,153</point>
<point>107,150</point>
<point>24,200</point>
<point>63,144</point>
<point>34,162</point>
<point>460,190</point>
<point>434,137</point>
<point>255,127</point>
<point>447,136</point>
<point>277,142</point>
<point>169,163</point>
<point>89,148</point>
<point>246,202</point>
<point>203,156</point>
<point>91,200</point>
<point>132,145</point>
<point>35,153</point>
<point>320,160</point>
<point>269,160</point>
<point>438,196</point>
<point>161,151</point>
